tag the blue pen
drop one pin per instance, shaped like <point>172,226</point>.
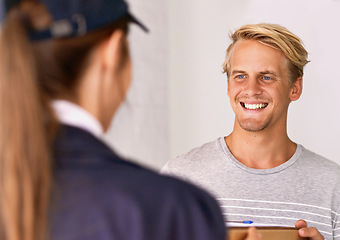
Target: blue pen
<point>245,222</point>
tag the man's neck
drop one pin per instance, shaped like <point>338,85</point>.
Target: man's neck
<point>263,149</point>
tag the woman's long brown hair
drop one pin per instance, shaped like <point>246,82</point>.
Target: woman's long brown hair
<point>31,74</point>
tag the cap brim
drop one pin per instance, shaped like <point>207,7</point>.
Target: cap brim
<point>136,21</point>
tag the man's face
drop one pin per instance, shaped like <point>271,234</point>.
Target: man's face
<point>258,86</point>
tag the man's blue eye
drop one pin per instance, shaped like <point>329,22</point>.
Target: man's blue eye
<point>266,78</point>
<point>240,76</point>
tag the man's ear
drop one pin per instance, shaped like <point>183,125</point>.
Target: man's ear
<point>111,50</point>
<point>296,89</point>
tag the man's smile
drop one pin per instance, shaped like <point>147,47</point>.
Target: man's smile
<point>254,106</point>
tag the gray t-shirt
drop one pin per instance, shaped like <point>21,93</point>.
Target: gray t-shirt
<point>307,187</point>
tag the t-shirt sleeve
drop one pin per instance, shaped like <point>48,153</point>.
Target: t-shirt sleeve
<point>176,168</point>
<point>165,169</point>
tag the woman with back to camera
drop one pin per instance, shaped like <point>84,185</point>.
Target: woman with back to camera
<point>64,70</point>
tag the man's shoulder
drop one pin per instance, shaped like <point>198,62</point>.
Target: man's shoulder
<point>199,153</point>
<point>318,159</point>
<point>319,163</point>
<point>195,157</point>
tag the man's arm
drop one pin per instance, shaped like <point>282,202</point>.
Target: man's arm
<point>308,232</point>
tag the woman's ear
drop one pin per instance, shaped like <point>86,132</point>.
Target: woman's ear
<point>111,50</point>
<point>296,89</point>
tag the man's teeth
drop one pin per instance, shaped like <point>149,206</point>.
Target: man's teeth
<point>255,106</point>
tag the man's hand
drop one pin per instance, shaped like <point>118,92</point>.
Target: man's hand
<point>253,234</point>
<point>308,232</point>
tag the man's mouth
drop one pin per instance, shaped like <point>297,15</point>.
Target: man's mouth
<point>254,106</point>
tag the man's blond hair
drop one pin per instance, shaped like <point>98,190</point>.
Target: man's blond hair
<point>275,36</point>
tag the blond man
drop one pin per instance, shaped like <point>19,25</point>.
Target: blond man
<point>257,172</point>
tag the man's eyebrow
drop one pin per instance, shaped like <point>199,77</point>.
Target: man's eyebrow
<point>237,71</point>
<point>268,72</point>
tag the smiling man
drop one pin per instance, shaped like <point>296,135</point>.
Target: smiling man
<point>257,172</point>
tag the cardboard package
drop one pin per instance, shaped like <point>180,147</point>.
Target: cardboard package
<point>268,233</point>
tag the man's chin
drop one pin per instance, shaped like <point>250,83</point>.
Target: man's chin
<point>253,126</point>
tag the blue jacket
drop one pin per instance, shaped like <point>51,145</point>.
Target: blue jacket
<point>99,196</point>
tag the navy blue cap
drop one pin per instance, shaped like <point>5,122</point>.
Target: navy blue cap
<point>77,17</point>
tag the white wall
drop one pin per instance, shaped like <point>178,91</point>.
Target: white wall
<point>199,108</point>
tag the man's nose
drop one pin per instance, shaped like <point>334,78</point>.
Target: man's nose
<point>252,87</point>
